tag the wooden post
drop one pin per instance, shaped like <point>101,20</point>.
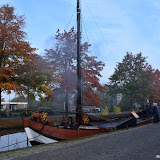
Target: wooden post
<point>79,103</point>
<point>8,142</point>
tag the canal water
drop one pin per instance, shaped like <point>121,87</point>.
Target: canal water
<point>13,141</point>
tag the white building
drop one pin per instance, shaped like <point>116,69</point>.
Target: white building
<point>13,106</point>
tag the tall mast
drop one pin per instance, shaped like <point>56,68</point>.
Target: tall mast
<point>79,97</point>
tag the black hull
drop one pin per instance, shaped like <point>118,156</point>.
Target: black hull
<point>34,143</point>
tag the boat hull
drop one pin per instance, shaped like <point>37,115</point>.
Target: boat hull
<point>45,133</point>
<point>36,138</point>
<point>40,133</point>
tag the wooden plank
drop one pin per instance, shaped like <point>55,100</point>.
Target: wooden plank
<point>135,114</point>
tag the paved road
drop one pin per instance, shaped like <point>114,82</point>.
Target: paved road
<point>141,143</point>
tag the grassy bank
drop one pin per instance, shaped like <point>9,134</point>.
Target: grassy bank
<point>10,126</point>
<point>10,131</point>
<point>11,123</point>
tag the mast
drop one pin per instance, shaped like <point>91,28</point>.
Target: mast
<point>79,97</point>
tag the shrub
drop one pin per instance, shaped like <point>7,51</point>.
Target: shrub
<point>20,110</point>
<point>15,114</point>
<point>49,110</point>
<point>105,111</point>
<point>3,114</point>
<point>117,110</point>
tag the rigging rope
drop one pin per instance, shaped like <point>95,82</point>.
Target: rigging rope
<point>83,26</point>
<point>70,19</point>
<point>99,31</point>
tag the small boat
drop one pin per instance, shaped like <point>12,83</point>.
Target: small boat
<point>40,131</point>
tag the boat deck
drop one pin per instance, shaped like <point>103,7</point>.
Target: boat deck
<point>114,124</point>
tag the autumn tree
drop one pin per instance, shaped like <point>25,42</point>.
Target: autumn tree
<point>17,57</point>
<point>90,69</point>
<point>133,79</point>
<point>13,48</point>
<point>36,79</point>
<point>62,61</point>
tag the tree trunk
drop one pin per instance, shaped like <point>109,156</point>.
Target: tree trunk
<point>66,104</point>
<point>0,101</point>
<point>28,98</point>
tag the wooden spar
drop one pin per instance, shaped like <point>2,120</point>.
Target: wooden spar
<point>79,98</point>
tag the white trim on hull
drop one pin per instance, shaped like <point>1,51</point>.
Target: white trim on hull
<point>34,136</point>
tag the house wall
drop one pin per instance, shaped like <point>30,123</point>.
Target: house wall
<point>14,106</point>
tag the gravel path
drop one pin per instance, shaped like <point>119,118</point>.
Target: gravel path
<point>141,143</point>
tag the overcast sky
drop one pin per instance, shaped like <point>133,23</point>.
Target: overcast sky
<point>113,27</point>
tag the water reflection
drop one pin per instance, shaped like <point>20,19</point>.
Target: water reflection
<point>13,141</point>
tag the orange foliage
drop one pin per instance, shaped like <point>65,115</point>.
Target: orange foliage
<point>14,50</point>
<point>63,60</point>
<point>19,65</point>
